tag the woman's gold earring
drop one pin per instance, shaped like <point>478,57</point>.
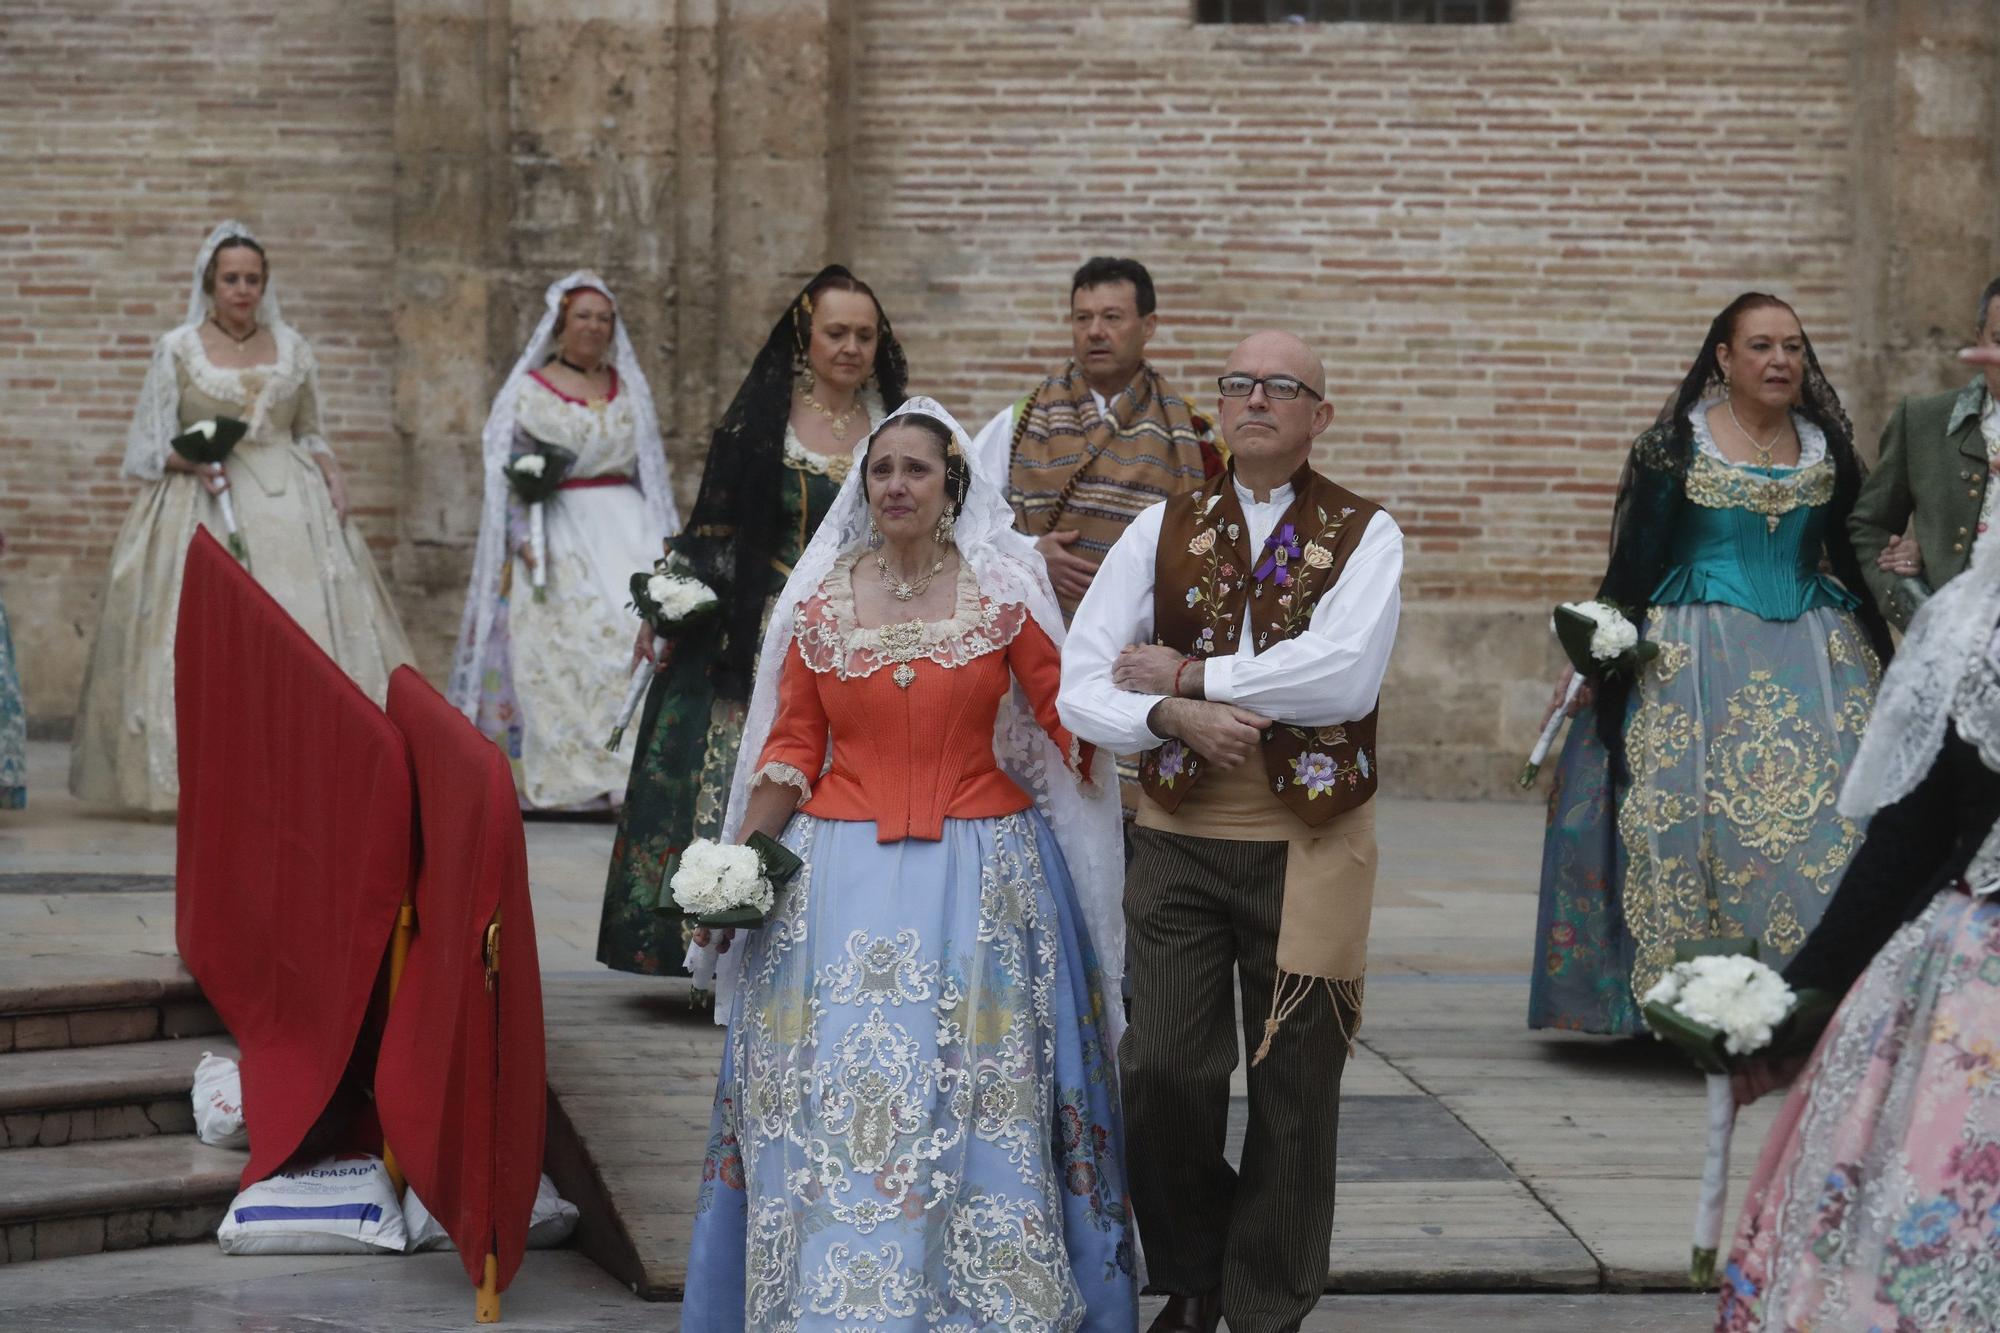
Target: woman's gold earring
<point>946,529</point>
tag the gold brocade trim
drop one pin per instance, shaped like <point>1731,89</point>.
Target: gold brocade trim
<point>1714,485</point>
<point>833,466</point>
<point>1718,804</point>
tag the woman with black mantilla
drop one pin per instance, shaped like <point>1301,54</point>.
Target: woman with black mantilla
<point>1701,804</point>
<point>829,371</point>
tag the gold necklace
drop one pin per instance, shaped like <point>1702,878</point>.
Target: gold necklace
<point>1763,450</point>
<point>835,423</point>
<point>903,590</point>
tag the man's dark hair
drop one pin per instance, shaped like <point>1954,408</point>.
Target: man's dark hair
<point>1096,272</point>
<point>1986,300</point>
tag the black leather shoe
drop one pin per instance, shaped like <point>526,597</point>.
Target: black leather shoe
<point>1189,1314</point>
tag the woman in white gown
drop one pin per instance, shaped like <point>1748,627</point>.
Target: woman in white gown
<point>544,678</point>
<point>233,356</point>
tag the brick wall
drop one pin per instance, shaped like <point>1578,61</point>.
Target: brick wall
<point>1505,241</point>
<point>130,128</point>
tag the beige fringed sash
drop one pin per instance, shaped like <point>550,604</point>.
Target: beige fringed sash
<point>1329,888</point>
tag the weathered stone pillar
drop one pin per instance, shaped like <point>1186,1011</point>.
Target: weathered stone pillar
<point>453,195</point>
<point>1927,195</point>
<point>688,150</point>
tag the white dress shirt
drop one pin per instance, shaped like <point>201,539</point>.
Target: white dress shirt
<point>1331,673</point>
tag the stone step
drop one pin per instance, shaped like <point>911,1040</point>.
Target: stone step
<point>87,1198</point>
<point>99,1000</point>
<point>136,1090</point>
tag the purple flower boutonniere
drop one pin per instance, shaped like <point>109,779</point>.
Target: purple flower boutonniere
<point>1280,549</point>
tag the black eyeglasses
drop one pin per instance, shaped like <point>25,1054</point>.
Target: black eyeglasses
<point>1278,387</point>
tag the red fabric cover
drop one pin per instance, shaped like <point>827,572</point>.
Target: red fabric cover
<point>461,1082</point>
<point>293,849</point>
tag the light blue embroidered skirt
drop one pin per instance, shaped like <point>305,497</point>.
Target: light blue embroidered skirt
<point>916,1125</point>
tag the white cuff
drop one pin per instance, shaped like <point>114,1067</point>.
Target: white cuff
<point>787,775</point>
<point>1218,679</point>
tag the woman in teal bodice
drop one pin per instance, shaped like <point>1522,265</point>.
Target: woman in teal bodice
<point>829,370</point>
<point>1698,801</point>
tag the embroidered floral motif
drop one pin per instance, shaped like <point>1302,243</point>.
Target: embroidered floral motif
<point>910,1154</point>
<point>1315,772</point>
<point>1214,590</point>
<point>1729,826</point>
<point>1296,605</point>
<point>1883,1208</point>
<point>1320,773</point>
<point>1171,761</point>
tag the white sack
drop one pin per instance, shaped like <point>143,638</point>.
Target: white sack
<point>551,1223</point>
<point>343,1205</point>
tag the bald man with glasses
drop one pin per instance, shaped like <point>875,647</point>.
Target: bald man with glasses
<point>1236,637</point>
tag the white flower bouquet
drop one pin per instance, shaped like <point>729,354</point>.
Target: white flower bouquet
<point>1600,640</point>
<point>730,885</point>
<point>536,473</point>
<point>672,602</point>
<point>1717,1003</point>
<point>210,442</point>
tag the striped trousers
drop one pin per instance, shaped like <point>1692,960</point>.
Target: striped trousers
<point>1199,912</point>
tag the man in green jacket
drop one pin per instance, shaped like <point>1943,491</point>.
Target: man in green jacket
<point>1938,454</point>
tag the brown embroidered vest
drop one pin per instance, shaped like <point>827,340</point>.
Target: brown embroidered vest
<point>1201,574</point>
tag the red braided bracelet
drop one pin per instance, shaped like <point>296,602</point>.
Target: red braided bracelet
<point>1186,662</point>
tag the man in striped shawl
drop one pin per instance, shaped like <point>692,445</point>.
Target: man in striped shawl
<point>1102,438</point>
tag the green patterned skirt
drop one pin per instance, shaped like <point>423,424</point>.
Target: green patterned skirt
<point>679,788</point>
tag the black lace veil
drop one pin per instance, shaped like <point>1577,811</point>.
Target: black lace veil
<point>731,536</point>
<point>1652,494</point>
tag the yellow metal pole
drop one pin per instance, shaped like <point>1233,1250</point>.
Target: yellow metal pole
<point>399,955</point>
<point>486,1306</point>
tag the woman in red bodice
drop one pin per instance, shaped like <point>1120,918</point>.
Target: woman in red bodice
<point>916,1124</point>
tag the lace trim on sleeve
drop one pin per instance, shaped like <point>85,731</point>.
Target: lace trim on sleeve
<point>786,775</point>
<point>1075,761</point>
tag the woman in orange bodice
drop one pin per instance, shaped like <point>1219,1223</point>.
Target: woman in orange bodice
<point>916,1124</point>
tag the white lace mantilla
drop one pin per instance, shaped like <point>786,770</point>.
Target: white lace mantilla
<point>831,639</point>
